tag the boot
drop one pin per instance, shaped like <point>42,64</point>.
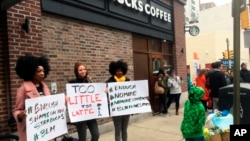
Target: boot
<point>177,111</point>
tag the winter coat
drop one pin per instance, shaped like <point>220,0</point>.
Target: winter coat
<point>201,82</point>
<point>26,91</point>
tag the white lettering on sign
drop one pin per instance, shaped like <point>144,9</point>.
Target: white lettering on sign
<point>149,10</point>
<point>240,132</point>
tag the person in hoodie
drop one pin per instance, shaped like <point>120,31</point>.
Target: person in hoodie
<point>194,116</point>
<point>81,76</point>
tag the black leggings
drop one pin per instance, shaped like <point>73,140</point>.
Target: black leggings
<point>162,103</point>
<point>176,97</point>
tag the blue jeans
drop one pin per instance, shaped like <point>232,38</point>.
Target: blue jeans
<point>195,139</point>
<point>82,130</point>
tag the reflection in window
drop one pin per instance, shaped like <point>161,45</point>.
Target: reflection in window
<point>156,65</point>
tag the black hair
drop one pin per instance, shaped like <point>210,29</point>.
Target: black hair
<point>216,64</point>
<point>26,66</point>
<point>120,64</point>
<point>161,71</point>
<point>242,64</point>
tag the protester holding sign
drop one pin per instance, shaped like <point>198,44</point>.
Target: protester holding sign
<point>81,75</point>
<point>32,70</point>
<point>118,71</point>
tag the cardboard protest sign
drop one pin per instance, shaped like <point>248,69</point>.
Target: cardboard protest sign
<point>46,117</point>
<point>128,97</point>
<point>86,101</point>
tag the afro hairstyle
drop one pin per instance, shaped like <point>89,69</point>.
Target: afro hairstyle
<point>120,64</point>
<point>26,66</point>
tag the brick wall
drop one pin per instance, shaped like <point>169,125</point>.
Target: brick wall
<point>68,41</point>
<point>20,42</point>
<point>179,42</point>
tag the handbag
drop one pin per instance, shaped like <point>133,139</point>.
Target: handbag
<point>159,89</point>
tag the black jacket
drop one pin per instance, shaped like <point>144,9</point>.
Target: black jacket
<point>245,75</point>
<point>80,80</point>
<point>217,80</point>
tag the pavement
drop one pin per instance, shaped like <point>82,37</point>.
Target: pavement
<point>148,127</point>
<point>152,128</point>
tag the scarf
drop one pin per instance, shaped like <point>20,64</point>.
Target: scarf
<point>121,79</point>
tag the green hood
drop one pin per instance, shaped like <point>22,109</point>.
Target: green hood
<point>195,94</point>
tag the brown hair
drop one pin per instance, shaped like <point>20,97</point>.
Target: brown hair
<point>202,72</point>
<point>76,69</point>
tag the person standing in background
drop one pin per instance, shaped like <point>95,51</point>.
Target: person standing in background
<point>244,73</point>
<point>81,76</point>
<point>33,70</point>
<point>162,82</point>
<point>189,83</point>
<point>174,83</point>
<point>118,70</point>
<point>217,80</point>
<point>201,82</point>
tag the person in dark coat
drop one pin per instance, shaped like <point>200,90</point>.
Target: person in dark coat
<point>216,80</point>
<point>244,73</point>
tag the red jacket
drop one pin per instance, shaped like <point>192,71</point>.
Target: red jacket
<point>201,82</point>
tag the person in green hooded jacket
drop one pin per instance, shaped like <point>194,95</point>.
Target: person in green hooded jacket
<point>194,116</point>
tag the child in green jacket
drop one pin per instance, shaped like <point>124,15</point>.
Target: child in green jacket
<point>194,116</point>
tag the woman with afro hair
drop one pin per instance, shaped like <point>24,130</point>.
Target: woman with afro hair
<point>118,71</point>
<point>33,70</point>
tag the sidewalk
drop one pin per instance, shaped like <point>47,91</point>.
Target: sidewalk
<point>146,127</point>
<point>152,128</point>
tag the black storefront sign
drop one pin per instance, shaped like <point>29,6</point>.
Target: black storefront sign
<point>146,17</point>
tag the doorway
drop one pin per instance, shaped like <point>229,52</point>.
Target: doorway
<point>150,54</point>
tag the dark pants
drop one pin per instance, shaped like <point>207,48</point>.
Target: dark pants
<point>176,97</point>
<point>121,126</point>
<point>204,103</point>
<point>162,103</point>
<point>82,130</point>
<point>195,139</point>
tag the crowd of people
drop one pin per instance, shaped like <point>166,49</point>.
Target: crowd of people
<point>203,96</point>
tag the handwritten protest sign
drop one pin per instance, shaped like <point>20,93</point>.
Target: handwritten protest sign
<point>128,97</point>
<point>46,117</point>
<point>87,101</point>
